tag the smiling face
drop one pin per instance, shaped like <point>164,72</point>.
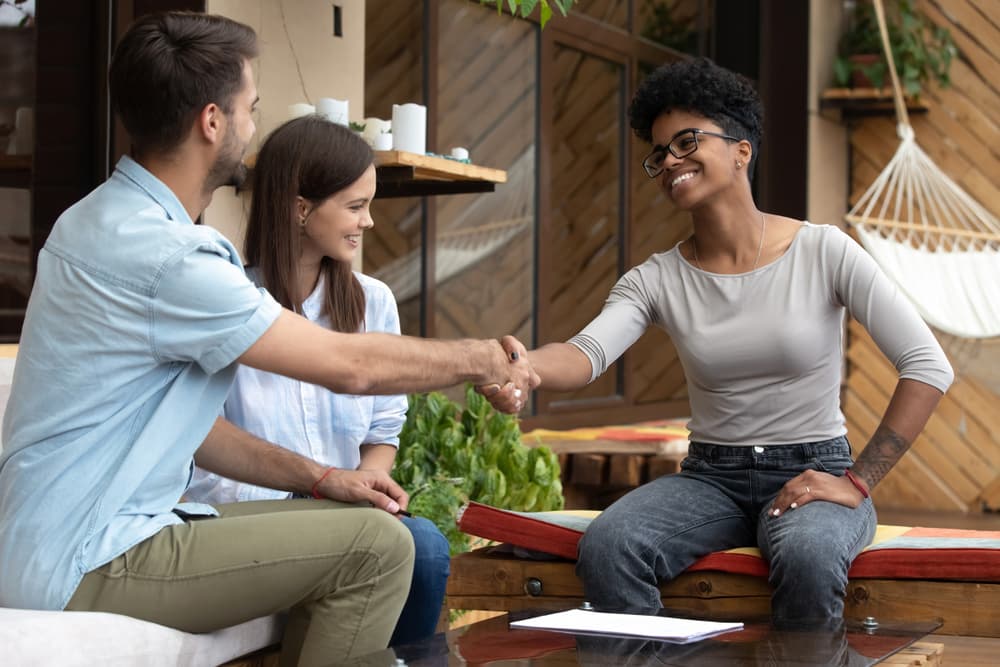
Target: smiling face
<point>334,227</point>
<point>716,165</point>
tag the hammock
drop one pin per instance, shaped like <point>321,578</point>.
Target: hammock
<point>940,246</point>
<point>457,250</point>
<point>465,245</point>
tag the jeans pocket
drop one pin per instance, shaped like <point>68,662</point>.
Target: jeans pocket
<point>695,464</point>
<point>835,464</point>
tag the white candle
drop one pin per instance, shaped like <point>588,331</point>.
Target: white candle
<point>409,128</point>
<point>460,153</point>
<point>300,109</point>
<point>383,142</point>
<point>375,127</point>
<point>334,110</point>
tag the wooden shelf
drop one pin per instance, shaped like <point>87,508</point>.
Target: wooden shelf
<point>402,174</point>
<point>866,101</point>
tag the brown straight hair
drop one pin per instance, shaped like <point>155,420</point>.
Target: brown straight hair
<point>169,66</point>
<point>312,158</point>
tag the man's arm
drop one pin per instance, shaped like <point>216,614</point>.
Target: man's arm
<point>232,452</point>
<point>377,457</point>
<point>377,363</point>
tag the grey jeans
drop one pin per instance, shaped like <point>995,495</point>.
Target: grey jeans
<point>719,501</point>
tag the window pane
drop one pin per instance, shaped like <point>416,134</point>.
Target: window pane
<point>681,25</point>
<point>585,236</point>
<point>484,247</point>
<point>655,371</point>
<point>17,101</point>
<point>393,74</point>
<point>612,12</point>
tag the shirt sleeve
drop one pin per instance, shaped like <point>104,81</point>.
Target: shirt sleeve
<point>626,315</point>
<point>389,412</point>
<point>205,310</point>
<point>893,322</point>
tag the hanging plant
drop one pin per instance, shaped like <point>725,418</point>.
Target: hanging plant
<point>525,7</point>
<point>921,50</point>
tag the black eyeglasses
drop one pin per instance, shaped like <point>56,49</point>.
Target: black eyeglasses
<point>681,145</point>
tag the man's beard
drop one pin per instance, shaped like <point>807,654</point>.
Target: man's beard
<point>228,168</point>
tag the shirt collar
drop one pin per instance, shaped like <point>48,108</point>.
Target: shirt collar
<point>154,187</point>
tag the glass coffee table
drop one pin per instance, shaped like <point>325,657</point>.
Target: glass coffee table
<point>493,642</point>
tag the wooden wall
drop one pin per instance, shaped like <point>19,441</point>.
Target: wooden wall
<point>955,464</point>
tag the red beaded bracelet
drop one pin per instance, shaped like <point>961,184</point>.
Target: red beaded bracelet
<point>315,491</point>
<point>852,478</point>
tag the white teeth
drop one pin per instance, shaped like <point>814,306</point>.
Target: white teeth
<point>680,179</point>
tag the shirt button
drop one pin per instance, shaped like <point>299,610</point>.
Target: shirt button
<point>757,449</point>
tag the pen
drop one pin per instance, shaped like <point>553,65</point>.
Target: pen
<point>404,513</point>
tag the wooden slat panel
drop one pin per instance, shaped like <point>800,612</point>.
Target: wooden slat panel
<point>972,461</point>
<point>586,204</point>
<point>956,461</point>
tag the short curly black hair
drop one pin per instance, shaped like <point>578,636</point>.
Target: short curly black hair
<point>699,86</point>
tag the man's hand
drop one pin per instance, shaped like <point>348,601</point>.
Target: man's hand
<point>815,485</point>
<point>358,486</point>
<point>512,395</point>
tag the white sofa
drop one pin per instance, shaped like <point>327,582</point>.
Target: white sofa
<point>31,638</point>
<point>88,638</point>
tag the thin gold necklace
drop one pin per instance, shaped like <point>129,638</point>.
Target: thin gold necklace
<point>760,246</point>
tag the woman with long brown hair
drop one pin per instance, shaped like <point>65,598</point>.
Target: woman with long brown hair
<point>313,186</point>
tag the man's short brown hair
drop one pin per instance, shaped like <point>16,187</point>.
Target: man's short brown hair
<point>169,66</point>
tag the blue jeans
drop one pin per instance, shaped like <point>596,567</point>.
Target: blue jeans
<point>719,501</point>
<point>430,575</point>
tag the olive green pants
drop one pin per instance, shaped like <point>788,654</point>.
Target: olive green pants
<point>342,572</point>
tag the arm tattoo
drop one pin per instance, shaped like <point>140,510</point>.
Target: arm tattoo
<point>884,449</point>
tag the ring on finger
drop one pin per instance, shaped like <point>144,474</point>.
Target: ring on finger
<point>808,490</point>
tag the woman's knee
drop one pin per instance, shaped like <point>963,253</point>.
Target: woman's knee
<point>606,540</point>
<point>430,545</point>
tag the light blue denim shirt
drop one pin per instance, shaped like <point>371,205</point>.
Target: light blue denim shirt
<point>127,354</point>
<point>305,418</point>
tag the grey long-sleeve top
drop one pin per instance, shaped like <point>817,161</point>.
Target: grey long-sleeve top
<point>762,351</point>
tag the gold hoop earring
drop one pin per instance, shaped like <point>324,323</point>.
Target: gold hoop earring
<point>302,223</point>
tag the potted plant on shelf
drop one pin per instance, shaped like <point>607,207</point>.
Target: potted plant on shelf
<point>922,51</point>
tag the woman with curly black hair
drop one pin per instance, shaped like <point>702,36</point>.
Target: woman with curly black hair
<point>755,304</point>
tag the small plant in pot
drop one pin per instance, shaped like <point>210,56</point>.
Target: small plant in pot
<point>921,50</point>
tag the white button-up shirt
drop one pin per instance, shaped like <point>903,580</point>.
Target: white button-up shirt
<point>306,418</point>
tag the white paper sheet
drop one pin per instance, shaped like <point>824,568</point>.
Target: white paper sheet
<point>665,628</point>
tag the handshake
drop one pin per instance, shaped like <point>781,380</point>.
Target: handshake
<point>518,379</point>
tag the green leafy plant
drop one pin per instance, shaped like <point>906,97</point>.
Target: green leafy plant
<point>450,454</point>
<point>355,126</point>
<point>673,24</point>
<point>921,50</point>
<point>525,7</point>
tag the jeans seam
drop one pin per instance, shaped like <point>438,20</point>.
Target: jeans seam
<point>657,550</point>
<point>857,546</point>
